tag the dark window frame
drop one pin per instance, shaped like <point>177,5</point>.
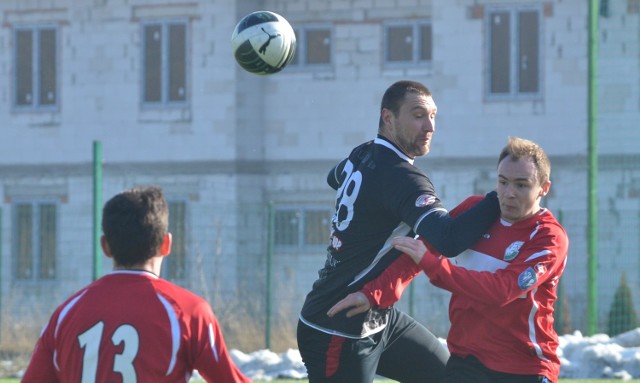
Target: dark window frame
<point>506,78</point>
<point>298,239</point>
<point>417,56</point>
<point>159,87</point>
<point>42,246</point>
<point>301,59</point>
<point>39,88</point>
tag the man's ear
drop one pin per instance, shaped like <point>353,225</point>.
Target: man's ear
<point>165,248</point>
<point>386,115</point>
<point>105,247</point>
<point>545,189</point>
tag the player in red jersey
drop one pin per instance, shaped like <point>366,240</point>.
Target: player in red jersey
<point>503,288</point>
<point>130,325</point>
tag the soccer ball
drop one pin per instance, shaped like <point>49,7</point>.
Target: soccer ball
<point>263,42</point>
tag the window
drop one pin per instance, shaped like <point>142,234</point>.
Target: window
<point>35,240</point>
<point>313,46</point>
<point>174,266</point>
<point>36,59</point>
<point>301,227</point>
<point>164,63</point>
<point>407,43</point>
<point>514,53</point>
<point>484,183</point>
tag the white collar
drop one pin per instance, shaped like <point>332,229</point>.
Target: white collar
<point>134,272</point>
<point>384,142</point>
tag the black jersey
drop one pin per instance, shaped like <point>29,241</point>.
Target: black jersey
<point>380,195</point>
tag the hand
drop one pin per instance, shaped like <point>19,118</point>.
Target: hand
<point>414,248</point>
<point>357,303</point>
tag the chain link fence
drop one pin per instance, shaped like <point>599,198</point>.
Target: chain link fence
<point>255,262</point>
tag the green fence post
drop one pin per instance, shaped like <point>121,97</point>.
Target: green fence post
<point>270,237</point>
<point>97,208</point>
<point>1,258</point>
<point>592,205</point>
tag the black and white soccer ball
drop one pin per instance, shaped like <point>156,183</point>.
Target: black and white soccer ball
<point>263,42</point>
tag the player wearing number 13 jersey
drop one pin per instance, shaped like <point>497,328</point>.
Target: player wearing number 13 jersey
<point>130,325</point>
<point>380,195</point>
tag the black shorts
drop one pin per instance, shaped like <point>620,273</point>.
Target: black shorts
<point>404,351</point>
<point>471,370</point>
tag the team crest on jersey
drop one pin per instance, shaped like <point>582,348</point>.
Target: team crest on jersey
<point>527,278</point>
<point>540,269</point>
<point>512,250</point>
<point>425,200</point>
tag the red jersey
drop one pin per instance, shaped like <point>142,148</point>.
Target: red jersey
<point>503,290</point>
<point>131,326</point>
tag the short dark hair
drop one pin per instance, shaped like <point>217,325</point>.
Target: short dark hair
<point>518,148</point>
<point>395,94</point>
<point>134,223</point>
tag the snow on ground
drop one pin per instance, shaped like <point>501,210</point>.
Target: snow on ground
<point>594,357</point>
<point>599,356</point>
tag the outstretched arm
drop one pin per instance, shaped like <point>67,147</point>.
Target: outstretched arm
<point>383,291</point>
<point>41,368</point>
<point>212,358</point>
<point>387,288</point>
<point>451,236</point>
<point>540,260</point>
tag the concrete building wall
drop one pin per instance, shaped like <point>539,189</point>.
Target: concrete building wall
<point>242,141</point>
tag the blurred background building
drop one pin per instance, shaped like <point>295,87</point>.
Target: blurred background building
<point>152,88</point>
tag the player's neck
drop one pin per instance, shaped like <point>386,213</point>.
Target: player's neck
<point>151,265</point>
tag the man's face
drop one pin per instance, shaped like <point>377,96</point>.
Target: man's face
<point>413,127</point>
<point>519,190</point>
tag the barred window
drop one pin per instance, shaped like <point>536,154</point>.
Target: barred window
<point>301,227</point>
<point>35,240</point>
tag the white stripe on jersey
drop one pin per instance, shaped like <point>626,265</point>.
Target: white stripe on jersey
<point>212,342</point>
<point>532,326</point>
<point>65,311</point>
<point>63,314</point>
<point>538,255</point>
<point>419,220</point>
<point>390,146</point>
<point>401,230</point>
<point>175,332</point>
<point>477,261</point>
<point>342,334</point>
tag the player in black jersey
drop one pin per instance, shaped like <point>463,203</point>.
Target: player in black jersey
<point>380,195</point>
